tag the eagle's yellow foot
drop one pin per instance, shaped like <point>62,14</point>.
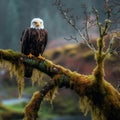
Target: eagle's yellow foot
<point>30,55</point>
<point>41,57</point>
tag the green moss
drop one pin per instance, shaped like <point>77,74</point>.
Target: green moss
<point>96,96</point>
<point>50,96</point>
<point>17,70</point>
<point>36,77</point>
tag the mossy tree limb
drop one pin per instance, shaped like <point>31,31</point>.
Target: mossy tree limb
<point>102,101</point>
<point>31,110</point>
<point>100,54</point>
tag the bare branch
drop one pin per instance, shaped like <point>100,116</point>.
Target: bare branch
<point>107,21</point>
<point>72,21</point>
<point>109,49</point>
<point>72,38</point>
<point>86,23</point>
<point>97,21</point>
<point>115,50</point>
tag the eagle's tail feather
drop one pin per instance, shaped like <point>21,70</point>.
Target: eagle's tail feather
<point>28,71</point>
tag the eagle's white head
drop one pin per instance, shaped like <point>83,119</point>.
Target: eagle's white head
<point>37,23</point>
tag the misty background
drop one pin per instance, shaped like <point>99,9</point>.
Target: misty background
<point>16,15</point>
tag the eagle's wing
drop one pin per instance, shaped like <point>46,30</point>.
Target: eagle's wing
<point>25,41</point>
<point>45,42</point>
<point>25,38</point>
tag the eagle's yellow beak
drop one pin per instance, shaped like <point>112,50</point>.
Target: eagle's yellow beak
<point>37,24</point>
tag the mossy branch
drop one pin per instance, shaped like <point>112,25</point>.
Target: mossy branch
<point>100,54</point>
<point>103,101</point>
<point>31,110</point>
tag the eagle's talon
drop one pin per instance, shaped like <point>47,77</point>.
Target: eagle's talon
<point>41,57</point>
<point>30,55</point>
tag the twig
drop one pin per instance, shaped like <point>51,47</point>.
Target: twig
<point>97,21</point>
<point>107,21</point>
<point>109,49</point>
<point>72,21</point>
<point>72,38</point>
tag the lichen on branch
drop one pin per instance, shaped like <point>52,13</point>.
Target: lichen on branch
<point>94,98</point>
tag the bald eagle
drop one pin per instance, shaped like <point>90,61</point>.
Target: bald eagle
<point>33,42</point>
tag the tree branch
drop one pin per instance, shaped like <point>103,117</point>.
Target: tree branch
<point>72,20</point>
<point>31,109</point>
<point>94,97</point>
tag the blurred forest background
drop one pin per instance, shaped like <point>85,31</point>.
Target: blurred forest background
<point>16,15</point>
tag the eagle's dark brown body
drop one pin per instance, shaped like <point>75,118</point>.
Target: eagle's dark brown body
<point>33,41</point>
